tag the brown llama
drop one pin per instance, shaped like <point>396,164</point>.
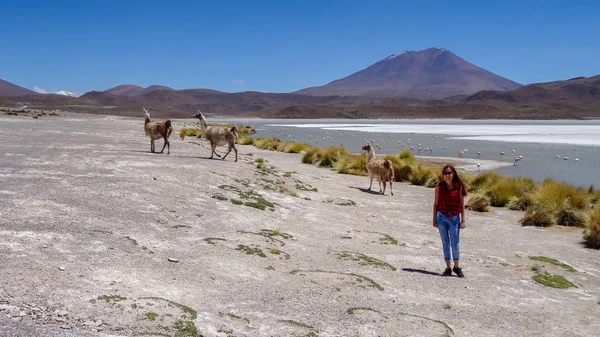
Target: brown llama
<point>157,130</point>
<point>381,169</point>
<point>218,136</point>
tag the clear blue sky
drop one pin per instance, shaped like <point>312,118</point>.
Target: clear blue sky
<point>282,46</point>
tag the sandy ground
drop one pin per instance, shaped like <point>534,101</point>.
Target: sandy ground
<point>99,237</point>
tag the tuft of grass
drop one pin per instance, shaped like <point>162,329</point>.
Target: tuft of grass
<point>259,160</point>
<point>566,215</point>
<point>478,203</point>
<point>591,234</point>
<point>553,195</point>
<point>353,164</point>
<point>554,281</point>
<point>520,203</point>
<point>483,180</point>
<point>554,262</point>
<point>447,306</point>
<point>246,141</point>
<point>420,175</point>
<point>151,315</point>
<point>408,157</point>
<point>537,216</point>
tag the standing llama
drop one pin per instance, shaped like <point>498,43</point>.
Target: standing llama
<point>218,136</point>
<point>381,169</point>
<point>157,130</point>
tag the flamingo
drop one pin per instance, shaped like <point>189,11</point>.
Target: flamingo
<point>478,165</point>
<point>519,158</point>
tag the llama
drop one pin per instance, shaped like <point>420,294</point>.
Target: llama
<point>380,169</point>
<point>218,136</point>
<point>157,130</point>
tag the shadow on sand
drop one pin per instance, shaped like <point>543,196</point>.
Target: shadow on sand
<point>421,271</point>
<point>365,190</point>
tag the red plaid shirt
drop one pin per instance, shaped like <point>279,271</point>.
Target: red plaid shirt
<point>450,201</point>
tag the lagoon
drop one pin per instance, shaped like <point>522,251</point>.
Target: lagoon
<point>564,150</point>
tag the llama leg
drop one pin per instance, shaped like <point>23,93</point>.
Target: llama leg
<point>166,144</point>
<point>235,149</point>
<point>391,191</point>
<point>383,188</point>
<point>380,191</point>
<point>214,150</point>
<point>371,184</point>
<point>225,156</point>
<point>152,146</point>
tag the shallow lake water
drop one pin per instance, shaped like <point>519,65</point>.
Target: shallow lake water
<point>562,150</point>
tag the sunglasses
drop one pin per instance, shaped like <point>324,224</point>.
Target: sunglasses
<point>447,173</point>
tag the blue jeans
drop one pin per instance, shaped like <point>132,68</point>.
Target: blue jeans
<point>449,232</point>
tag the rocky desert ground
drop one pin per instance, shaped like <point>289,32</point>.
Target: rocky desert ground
<point>100,237</point>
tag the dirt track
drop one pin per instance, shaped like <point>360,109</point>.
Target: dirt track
<point>89,220</point>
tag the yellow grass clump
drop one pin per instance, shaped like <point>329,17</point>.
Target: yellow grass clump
<point>408,157</point>
<point>478,202</point>
<point>483,180</point>
<point>553,194</point>
<point>591,234</point>
<point>401,169</point>
<point>537,215</point>
<point>421,175</point>
<point>504,188</point>
<point>355,164</point>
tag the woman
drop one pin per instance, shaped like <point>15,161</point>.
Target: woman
<point>449,215</point>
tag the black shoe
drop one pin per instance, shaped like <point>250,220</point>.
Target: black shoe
<point>447,272</point>
<point>458,272</point>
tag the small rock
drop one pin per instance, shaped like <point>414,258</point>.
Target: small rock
<point>98,323</point>
<point>62,268</point>
<point>172,259</point>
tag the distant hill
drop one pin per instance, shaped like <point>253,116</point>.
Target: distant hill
<point>579,89</point>
<point>432,73</point>
<point>134,90</point>
<point>9,89</point>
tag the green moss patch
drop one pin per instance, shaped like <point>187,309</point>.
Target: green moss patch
<point>211,241</point>
<point>352,310</point>
<point>151,315</point>
<point>554,281</point>
<point>296,323</point>
<point>360,278</point>
<point>251,250</point>
<point>365,260</point>
<point>554,262</point>
<point>114,298</point>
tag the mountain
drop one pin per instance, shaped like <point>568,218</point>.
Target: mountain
<point>66,93</point>
<point>134,90</point>
<point>432,73</point>
<point>9,89</point>
<point>579,89</point>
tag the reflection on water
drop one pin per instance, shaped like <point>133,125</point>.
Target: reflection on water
<point>561,150</point>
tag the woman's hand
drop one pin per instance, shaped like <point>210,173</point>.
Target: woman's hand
<point>435,224</point>
<point>463,224</point>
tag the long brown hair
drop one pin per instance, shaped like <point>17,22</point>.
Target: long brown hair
<point>455,179</point>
